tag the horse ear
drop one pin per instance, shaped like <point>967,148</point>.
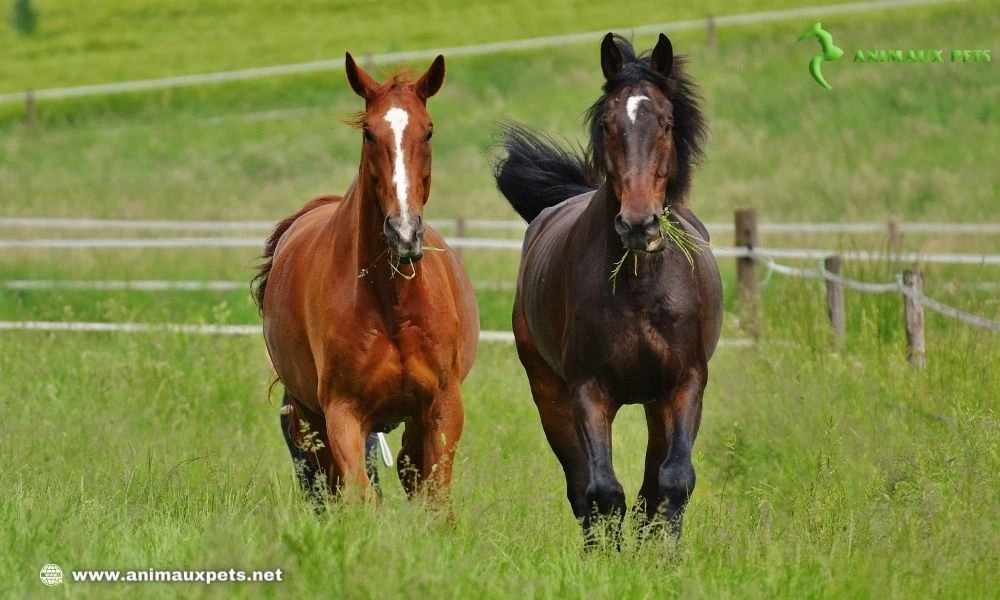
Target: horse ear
<point>361,82</point>
<point>662,59</point>
<point>431,81</point>
<point>611,57</point>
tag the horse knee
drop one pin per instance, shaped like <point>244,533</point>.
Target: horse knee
<point>676,481</point>
<point>607,496</point>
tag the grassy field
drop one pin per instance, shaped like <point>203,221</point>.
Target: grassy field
<point>88,41</point>
<point>819,475</point>
<point>890,139</point>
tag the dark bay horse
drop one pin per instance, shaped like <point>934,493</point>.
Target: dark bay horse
<point>362,333</point>
<point>590,346</point>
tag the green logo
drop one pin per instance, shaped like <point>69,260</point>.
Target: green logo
<point>830,52</point>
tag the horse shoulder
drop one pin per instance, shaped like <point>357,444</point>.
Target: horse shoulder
<point>462,301</point>
<point>690,221</point>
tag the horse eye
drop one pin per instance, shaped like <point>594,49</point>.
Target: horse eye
<point>668,127</point>
<point>430,134</point>
<point>368,135</point>
<point>604,127</point>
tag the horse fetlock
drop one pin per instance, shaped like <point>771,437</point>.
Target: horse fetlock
<point>676,479</point>
<point>606,496</point>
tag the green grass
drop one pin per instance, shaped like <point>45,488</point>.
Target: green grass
<point>91,41</point>
<point>819,475</point>
<point>889,139</point>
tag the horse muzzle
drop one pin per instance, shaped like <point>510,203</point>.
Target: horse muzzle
<point>405,236</point>
<point>644,236</point>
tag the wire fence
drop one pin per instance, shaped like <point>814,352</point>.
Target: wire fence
<point>230,330</point>
<point>896,286</point>
<point>749,253</point>
<point>167,285</point>
<point>499,244</point>
<point>867,227</point>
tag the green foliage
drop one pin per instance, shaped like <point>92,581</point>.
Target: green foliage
<point>23,17</point>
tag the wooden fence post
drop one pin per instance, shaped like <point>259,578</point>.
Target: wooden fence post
<point>29,106</point>
<point>835,303</point>
<point>895,237</point>
<point>913,316</point>
<point>710,31</point>
<point>746,270</point>
<point>461,231</point>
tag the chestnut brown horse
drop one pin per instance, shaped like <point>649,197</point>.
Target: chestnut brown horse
<point>590,346</point>
<point>361,334</point>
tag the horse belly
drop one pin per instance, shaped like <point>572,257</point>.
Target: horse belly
<point>287,344</point>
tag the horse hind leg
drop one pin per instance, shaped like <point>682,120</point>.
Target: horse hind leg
<point>556,413</point>
<point>410,459</point>
<point>372,452</point>
<point>305,435</point>
<point>552,399</point>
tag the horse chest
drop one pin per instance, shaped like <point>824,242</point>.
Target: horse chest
<point>389,365</point>
<point>637,353</point>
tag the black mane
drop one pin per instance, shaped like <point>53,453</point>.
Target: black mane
<point>690,129</point>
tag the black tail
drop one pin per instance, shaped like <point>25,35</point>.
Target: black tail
<point>539,171</point>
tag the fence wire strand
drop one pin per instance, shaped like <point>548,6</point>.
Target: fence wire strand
<point>896,286</point>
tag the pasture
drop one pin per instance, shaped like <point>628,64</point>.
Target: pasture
<point>819,474</point>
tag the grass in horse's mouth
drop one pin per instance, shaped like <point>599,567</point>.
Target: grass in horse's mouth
<point>396,271</point>
<point>413,264</point>
<point>685,242</point>
<point>618,267</point>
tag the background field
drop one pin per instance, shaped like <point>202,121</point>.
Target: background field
<point>819,475</point>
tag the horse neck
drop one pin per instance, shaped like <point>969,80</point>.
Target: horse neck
<point>370,253</point>
<point>598,221</point>
<point>365,220</point>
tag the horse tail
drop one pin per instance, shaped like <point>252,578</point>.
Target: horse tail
<point>259,283</point>
<point>539,171</point>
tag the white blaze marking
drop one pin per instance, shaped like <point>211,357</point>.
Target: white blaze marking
<point>397,119</point>
<point>632,105</point>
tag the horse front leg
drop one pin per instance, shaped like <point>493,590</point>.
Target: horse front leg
<point>431,447</point>
<point>347,449</point>
<point>681,416</point>
<point>593,413</point>
<point>657,446</point>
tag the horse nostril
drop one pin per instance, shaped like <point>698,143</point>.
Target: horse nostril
<point>621,226</point>
<point>390,232</point>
